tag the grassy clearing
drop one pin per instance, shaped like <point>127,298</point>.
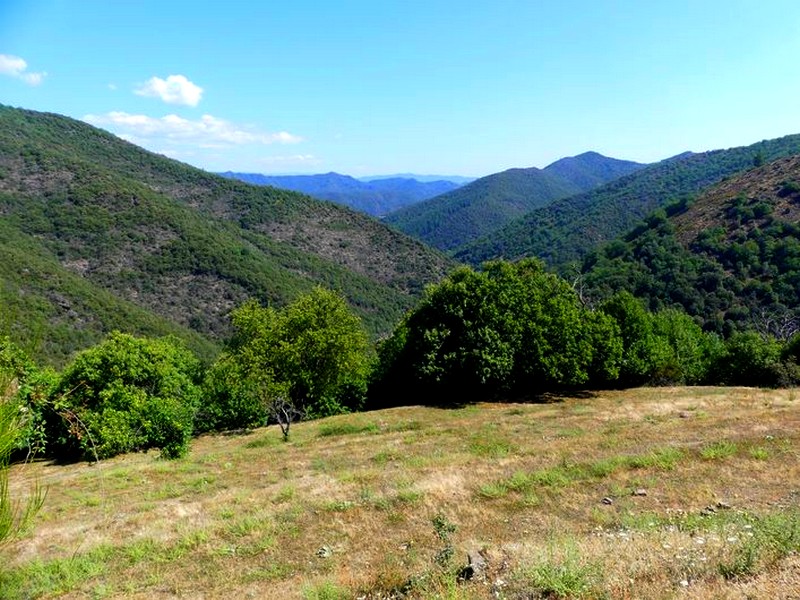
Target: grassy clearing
<point>650,493</point>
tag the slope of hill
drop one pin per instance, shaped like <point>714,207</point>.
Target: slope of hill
<point>731,259</point>
<point>389,504</point>
<point>180,242</point>
<point>53,312</point>
<point>377,197</point>
<point>485,205</point>
<point>480,207</point>
<point>567,229</point>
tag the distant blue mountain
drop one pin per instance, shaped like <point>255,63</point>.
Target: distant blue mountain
<point>460,180</point>
<point>378,197</point>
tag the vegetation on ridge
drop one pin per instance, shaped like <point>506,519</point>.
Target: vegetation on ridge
<point>176,241</point>
<point>730,258</point>
<point>566,230</point>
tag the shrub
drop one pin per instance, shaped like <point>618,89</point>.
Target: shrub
<point>752,359</point>
<point>127,394</point>
<point>29,389</point>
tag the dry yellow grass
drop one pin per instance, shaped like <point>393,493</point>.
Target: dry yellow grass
<point>346,508</point>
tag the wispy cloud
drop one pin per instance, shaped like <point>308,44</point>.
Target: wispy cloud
<point>290,160</point>
<point>206,132</point>
<point>16,67</point>
<point>175,89</point>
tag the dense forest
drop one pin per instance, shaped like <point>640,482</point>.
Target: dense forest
<point>730,258</point>
<point>566,230</point>
<point>457,218</point>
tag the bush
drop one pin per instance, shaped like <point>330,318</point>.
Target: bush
<point>127,394</point>
<point>753,359</point>
<point>231,400</point>
<point>29,388</point>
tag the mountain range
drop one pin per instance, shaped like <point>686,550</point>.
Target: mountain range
<point>456,218</point>
<point>567,229</point>
<point>376,197</point>
<point>97,234</point>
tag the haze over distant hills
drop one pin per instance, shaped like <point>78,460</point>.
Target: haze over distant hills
<point>375,197</point>
<point>458,217</point>
<point>459,179</point>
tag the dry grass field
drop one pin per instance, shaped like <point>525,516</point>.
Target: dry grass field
<point>647,493</point>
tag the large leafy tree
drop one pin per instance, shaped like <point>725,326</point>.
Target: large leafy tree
<point>509,328</point>
<point>313,352</point>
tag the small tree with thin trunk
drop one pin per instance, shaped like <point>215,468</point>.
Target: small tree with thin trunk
<point>284,412</point>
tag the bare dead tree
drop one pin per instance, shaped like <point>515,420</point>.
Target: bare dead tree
<point>284,412</point>
<point>781,324</point>
<point>579,285</point>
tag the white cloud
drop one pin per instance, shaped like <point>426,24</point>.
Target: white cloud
<point>16,67</point>
<point>175,89</point>
<point>206,132</point>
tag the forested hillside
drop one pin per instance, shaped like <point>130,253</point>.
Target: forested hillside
<point>731,259</point>
<point>378,197</point>
<point>591,169</point>
<point>84,211</point>
<point>567,229</point>
<point>487,204</point>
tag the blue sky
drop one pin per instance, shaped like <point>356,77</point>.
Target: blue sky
<point>448,87</point>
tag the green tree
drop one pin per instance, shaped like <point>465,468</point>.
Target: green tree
<point>510,328</point>
<point>686,352</point>
<point>127,394</point>
<point>313,352</point>
<point>642,351</point>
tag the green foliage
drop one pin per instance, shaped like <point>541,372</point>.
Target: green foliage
<point>755,359</point>
<point>729,278</point>
<point>98,235</point>
<point>666,347</point>
<point>127,394</point>
<point>314,351</point>
<point>640,347</point>
<point>563,574</point>
<point>687,353</point>
<point>511,328</point>
<point>568,230</point>
<point>231,400</point>
<point>31,387</point>
<point>14,429</point>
